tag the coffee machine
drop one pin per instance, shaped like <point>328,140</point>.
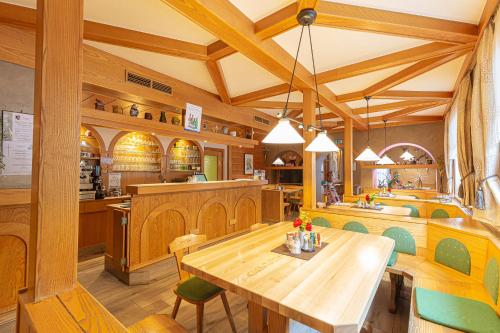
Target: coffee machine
<point>87,191</point>
<point>97,182</point>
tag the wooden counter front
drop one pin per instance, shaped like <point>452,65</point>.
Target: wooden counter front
<point>161,212</point>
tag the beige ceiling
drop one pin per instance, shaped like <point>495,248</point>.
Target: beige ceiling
<point>332,47</point>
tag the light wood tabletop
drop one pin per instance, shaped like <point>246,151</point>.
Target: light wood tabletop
<point>331,292</point>
<point>391,210</point>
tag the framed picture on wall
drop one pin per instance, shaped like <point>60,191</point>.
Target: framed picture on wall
<point>248,164</point>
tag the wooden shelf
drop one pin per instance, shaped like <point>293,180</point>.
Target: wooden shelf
<point>401,166</point>
<point>126,123</point>
<point>285,168</point>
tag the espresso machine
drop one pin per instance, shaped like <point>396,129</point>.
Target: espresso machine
<point>98,187</point>
<point>87,191</point>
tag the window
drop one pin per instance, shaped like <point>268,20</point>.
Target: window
<point>454,178</point>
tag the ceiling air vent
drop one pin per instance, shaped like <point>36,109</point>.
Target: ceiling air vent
<point>162,87</point>
<point>261,120</point>
<point>147,82</point>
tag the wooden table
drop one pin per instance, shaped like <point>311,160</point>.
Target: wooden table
<point>331,292</point>
<point>390,210</point>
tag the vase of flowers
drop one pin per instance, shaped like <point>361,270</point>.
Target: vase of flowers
<point>370,200</point>
<point>303,223</point>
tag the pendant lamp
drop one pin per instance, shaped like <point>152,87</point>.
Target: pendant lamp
<point>385,159</point>
<point>406,155</point>
<point>284,133</point>
<point>278,162</point>
<point>368,155</point>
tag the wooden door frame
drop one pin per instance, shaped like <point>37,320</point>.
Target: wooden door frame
<point>220,161</point>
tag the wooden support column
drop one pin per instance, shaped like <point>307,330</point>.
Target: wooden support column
<point>56,148</point>
<point>309,164</point>
<point>348,157</point>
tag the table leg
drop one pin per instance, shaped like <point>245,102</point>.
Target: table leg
<point>257,318</point>
<point>277,323</point>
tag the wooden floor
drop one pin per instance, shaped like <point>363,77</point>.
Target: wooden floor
<point>131,304</point>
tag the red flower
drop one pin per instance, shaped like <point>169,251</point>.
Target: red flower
<point>309,227</point>
<point>389,190</point>
<point>367,197</point>
<point>297,222</point>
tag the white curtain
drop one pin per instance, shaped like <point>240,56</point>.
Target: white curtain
<point>485,119</point>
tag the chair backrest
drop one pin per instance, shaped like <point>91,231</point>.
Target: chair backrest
<point>356,227</point>
<point>321,222</point>
<point>405,243</point>
<point>414,210</point>
<point>491,279</point>
<point>440,214</point>
<point>452,253</point>
<point>178,247</point>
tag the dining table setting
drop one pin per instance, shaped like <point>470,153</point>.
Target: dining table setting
<point>322,277</point>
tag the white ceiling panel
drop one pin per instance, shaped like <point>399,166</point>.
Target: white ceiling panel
<point>439,79</point>
<point>295,96</point>
<point>456,10</point>
<point>243,75</point>
<point>24,3</point>
<point>187,70</point>
<point>436,111</point>
<point>256,10</point>
<point>362,82</point>
<point>335,48</point>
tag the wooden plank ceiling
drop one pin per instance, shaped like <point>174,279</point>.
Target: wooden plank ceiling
<point>410,58</point>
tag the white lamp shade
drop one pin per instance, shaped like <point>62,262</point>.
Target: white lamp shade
<point>406,155</point>
<point>278,161</point>
<point>368,155</point>
<point>283,133</point>
<point>322,144</point>
<point>385,160</point>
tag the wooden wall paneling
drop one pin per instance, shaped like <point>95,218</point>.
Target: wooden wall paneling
<point>13,259</point>
<point>272,206</point>
<point>309,159</point>
<point>477,247</point>
<point>58,85</point>
<point>245,213</point>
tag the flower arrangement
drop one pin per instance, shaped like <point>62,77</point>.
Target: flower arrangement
<point>303,222</point>
<point>370,197</point>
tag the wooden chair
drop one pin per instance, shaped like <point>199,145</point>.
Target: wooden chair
<point>193,289</point>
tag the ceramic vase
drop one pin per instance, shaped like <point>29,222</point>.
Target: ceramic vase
<point>163,117</point>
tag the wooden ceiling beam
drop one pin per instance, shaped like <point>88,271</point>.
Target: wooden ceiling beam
<point>414,95</point>
<point>98,32</point>
<point>351,17</point>
<point>294,113</point>
<point>391,106</point>
<point>282,20</point>
<point>261,94</point>
<point>410,110</point>
<point>215,71</point>
<point>411,72</point>
<point>273,105</point>
<point>408,56</point>
<point>395,124</point>
<point>218,50</point>
<point>224,20</point>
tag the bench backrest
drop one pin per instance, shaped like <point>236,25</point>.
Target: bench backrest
<point>452,253</point>
<point>356,227</point>
<point>405,243</point>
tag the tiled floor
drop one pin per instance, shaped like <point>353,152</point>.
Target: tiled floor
<point>131,304</point>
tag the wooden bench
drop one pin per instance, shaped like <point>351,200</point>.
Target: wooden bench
<point>157,323</point>
<point>426,274</point>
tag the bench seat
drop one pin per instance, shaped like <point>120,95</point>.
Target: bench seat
<point>157,323</point>
<point>425,274</point>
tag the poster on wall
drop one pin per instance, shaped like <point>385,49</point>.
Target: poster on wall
<point>192,118</point>
<point>248,164</point>
<point>17,143</point>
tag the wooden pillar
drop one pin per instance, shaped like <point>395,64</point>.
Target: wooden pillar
<point>309,164</point>
<point>56,148</point>
<point>348,157</point>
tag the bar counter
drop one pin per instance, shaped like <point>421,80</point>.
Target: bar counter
<point>138,236</point>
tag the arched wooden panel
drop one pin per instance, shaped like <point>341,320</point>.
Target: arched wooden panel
<point>159,231</point>
<point>245,214</point>
<point>12,270</point>
<point>213,220</point>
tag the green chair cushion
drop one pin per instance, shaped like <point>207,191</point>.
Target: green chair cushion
<point>491,279</point>
<point>197,289</point>
<point>321,222</point>
<point>456,312</point>
<point>356,227</point>
<point>453,254</point>
<point>405,243</point>
<point>393,259</point>
<point>414,210</point>
<point>439,214</point>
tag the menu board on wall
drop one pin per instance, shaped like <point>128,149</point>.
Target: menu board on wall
<point>17,143</point>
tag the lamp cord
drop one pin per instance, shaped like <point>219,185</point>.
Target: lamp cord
<point>293,73</point>
<point>385,133</point>
<point>318,105</point>
<point>367,98</point>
